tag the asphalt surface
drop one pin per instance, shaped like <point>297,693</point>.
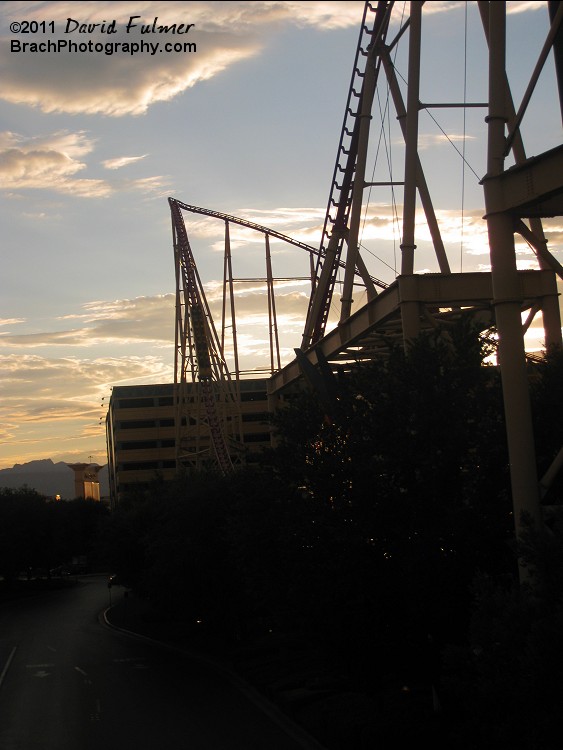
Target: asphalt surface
<point>70,682</point>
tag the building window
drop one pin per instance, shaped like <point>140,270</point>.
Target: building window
<point>254,396</point>
<point>137,445</point>
<point>261,416</point>
<point>135,403</point>
<point>137,424</point>
<point>139,466</point>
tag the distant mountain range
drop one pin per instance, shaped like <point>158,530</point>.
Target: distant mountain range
<point>48,478</point>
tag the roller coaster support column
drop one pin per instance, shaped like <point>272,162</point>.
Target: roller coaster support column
<point>410,310</point>
<point>506,293</point>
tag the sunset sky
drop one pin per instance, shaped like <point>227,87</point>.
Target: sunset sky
<point>247,123</point>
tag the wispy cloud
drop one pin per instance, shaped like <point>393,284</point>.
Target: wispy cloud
<point>56,403</point>
<point>151,320</point>
<point>122,161</point>
<point>46,397</point>
<point>381,231</point>
<point>523,6</point>
<point>39,163</point>
<point>144,319</point>
<point>429,140</point>
<point>53,162</point>
<point>11,321</point>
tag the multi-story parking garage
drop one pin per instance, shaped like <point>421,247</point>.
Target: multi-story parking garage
<point>142,432</point>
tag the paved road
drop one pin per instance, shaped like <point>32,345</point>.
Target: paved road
<point>70,683</point>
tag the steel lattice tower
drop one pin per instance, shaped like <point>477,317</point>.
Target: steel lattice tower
<point>519,192</point>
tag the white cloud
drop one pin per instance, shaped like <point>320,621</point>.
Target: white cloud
<point>302,224</point>
<point>121,84</point>
<point>11,321</point>
<point>152,319</point>
<point>122,161</point>
<point>157,185</point>
<point>428,140</point>
<point>47,398</point>
<point>523,6</point>
<point>56,403</point>
<point>446,6</point>
<point>48,163</point>
<point>143,319</point>
<point>463,234</point>
<point>52,162</point>
<point>149,322</point>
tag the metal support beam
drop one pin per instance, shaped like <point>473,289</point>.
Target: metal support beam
<point>275,360</point>
<point>531,190</point>
<point>507,299</point>
<point>409,310</point>
<point>428,291</point>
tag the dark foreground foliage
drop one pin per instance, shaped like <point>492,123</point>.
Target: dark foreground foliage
<point>380,536</point>
<point>38,535</point>
<point>503,688</point>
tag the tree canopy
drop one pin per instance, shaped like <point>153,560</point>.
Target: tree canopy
<point>366,528</point>
<point>40,534</point>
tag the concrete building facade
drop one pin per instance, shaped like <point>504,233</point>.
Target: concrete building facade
<point>86,481</point>
<point>141,432</point>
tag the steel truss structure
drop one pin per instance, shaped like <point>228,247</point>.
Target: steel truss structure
<point>208,419</point>
<point>516,200</point>
<point>518,193</point>
<point>208,423</point>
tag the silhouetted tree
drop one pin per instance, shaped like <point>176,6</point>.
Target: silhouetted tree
<point>408,484</point>
<point>503,689</point>
<point>36,533</point>
<point>366,533</point>
<point>22,530</point>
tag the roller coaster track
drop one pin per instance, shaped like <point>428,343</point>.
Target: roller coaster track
<point>200,350</point>
<point>320,254</point>
<point>373,29</point>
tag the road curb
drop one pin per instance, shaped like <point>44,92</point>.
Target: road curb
<point>285,722</point>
